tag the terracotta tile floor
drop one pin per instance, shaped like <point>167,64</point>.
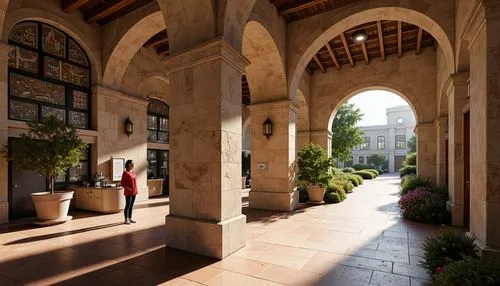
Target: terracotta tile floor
<point>362,241</point>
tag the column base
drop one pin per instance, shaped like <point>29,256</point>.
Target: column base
<point>487,252</point>
<point>274,201</point>
<point>204,237</point>
<point>4,212</point>
<point>457,214</point>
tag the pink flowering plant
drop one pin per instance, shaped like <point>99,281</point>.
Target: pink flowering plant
<point>424,205</point>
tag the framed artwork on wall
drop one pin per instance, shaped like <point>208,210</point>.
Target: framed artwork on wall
<point>117,168</point>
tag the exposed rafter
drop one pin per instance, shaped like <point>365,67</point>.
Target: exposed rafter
<point>157,39</point>
<point>321,67</point>
<point>381,40</point>
<point>299,7</point>
<point>163,50</point>
<point>365,53</point>
<point>309,71</point>
<point>400,39</point>
<point>71,5</point>
<point>346,47</point>
<point>419,41</point>
<point>332,55</point>
<point>106,9</point>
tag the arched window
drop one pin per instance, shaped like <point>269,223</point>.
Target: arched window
<point>49,75</point>
<point>380,142</point>
<point>158,121</point>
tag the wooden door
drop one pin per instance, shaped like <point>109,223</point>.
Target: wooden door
<point>466,153</point>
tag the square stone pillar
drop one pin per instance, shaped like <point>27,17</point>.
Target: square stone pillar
<point>4,132</point>
<point>273,159</point>
<point>323,138</point>
<point>303,138</point>
<point>484,47</point>
<point>205,150</point>
<point>426,151</point>
<point>457,98</point>
<point>441,131</point>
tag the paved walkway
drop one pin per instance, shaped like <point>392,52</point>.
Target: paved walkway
<point>361,241</point>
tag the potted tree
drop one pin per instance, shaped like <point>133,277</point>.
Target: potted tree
<point>50,147</point>
<point>314,169</point>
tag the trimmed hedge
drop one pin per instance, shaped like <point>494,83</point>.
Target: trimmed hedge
<point>412,182</point>
<point>359,167</point>
<point>348,170</point>
<point>366,175</point>
<point>411,160</point>
<point>355,179</point>
<point>407,170</point>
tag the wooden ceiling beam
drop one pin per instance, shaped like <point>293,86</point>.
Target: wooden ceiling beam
<point>71,5</point>
<point>365,53</point>
<point>346,47</point>
<point>332,55</point>
<point>106,9</point>
<point>309,71</point>
<point>321,67</point>
<point>380,33</point>
<point>163,50</point>
<point>160,38</point>
<point>400,39</point>
<point>297,8</point>
<point>419,41</point>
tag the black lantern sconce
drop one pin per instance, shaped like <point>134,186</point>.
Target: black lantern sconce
<point>129,127</point>
<point>268,128</point>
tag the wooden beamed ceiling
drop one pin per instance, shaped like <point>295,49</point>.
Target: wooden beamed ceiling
<point>385,38</point>
<point>294,10</point>
<point>102,11</point>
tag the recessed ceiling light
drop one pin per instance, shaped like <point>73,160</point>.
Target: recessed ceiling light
<point>359,37</point>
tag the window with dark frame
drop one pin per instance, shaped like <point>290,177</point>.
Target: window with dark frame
<point>49,75</point>
<point>366,144</point>
<point>157,164</point>
<point>380,142</point>
<point>400,141</point>
<point>158,113</point>
<point>361,159</point>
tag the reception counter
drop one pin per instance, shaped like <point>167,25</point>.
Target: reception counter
<point>103,200</point>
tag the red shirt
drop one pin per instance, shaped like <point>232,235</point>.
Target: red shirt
<point>129,183</point>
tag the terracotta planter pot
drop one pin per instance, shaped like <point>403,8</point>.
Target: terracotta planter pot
<point>52,208</point>
<point>316,194</point>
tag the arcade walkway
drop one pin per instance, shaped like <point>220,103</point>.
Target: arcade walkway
<point>361,241</point>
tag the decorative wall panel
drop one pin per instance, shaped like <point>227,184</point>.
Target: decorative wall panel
<point>80,100</point>
<point>19,110</point>
<point>78,119</point>
<point>58,113</point>
<point>25,33</point>
<point>53,41</point>
<point>76,54</point>
<point>26,87</point>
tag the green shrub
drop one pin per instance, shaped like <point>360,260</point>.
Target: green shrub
<point>447,247</point>
<point>469,272</point>
<point>407,170</point>
<point>337,171</point>
<point>303,196</point>
<point>348,170</point>
<point>442,192</point>
<point>354,179</point>
<point>359,167</point>
<point>343,181</point>
<point>411,182</point>
<point>411,160</point>
<point>334,193</point>
<point>422,205</point>
<point>314,165</point>
<point>358,178</point>
<point>376,172</point>
<point>365,174</point>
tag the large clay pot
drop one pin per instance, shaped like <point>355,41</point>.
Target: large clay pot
<point>316,194</point>
<point>52,208</point>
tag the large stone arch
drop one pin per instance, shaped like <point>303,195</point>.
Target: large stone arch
<point>386,86</point>
<point>266,72</point>
<point>302,112</point>
<point>88,37</point>
<point>128,45</point>
<point>306,37</point>
<point>155,85</point>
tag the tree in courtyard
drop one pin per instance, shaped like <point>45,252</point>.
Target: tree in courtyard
<point>376,160</point>
<point>412,144</point>
<point>345,133</point>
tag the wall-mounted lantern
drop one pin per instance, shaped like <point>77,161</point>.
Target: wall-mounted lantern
<point>268,128</point>
<point>129,127</point>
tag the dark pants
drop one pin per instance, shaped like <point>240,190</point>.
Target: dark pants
<point>129,205</point>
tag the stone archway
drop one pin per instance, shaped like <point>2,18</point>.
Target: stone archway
<point>310,38</point>
<point>128,45</point>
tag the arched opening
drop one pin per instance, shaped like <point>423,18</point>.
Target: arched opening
<point>49,75</point>
<point>370,123</point>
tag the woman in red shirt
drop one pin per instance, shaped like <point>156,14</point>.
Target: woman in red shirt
<point>129,184</point>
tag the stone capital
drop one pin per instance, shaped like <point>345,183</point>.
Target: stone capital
<point>425,127</point>
<point>116,94</point>
<point>5,49</point>
<point>217,49</point>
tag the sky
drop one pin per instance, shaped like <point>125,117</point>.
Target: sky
<point>373,105</point>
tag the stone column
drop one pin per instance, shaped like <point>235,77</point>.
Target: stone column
<point>273,159</point>
<point>484,47</point>
<point>205,146</point>
<point>303,138</point>
<point>4,132</point>
<point>426,150</point>
<point>322,138</point>
<point>441,130</point>
<point>457,98</point>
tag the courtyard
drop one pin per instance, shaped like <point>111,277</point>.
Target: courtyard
<point>361,241</point>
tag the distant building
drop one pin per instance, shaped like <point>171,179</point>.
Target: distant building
<point>389,140</point>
